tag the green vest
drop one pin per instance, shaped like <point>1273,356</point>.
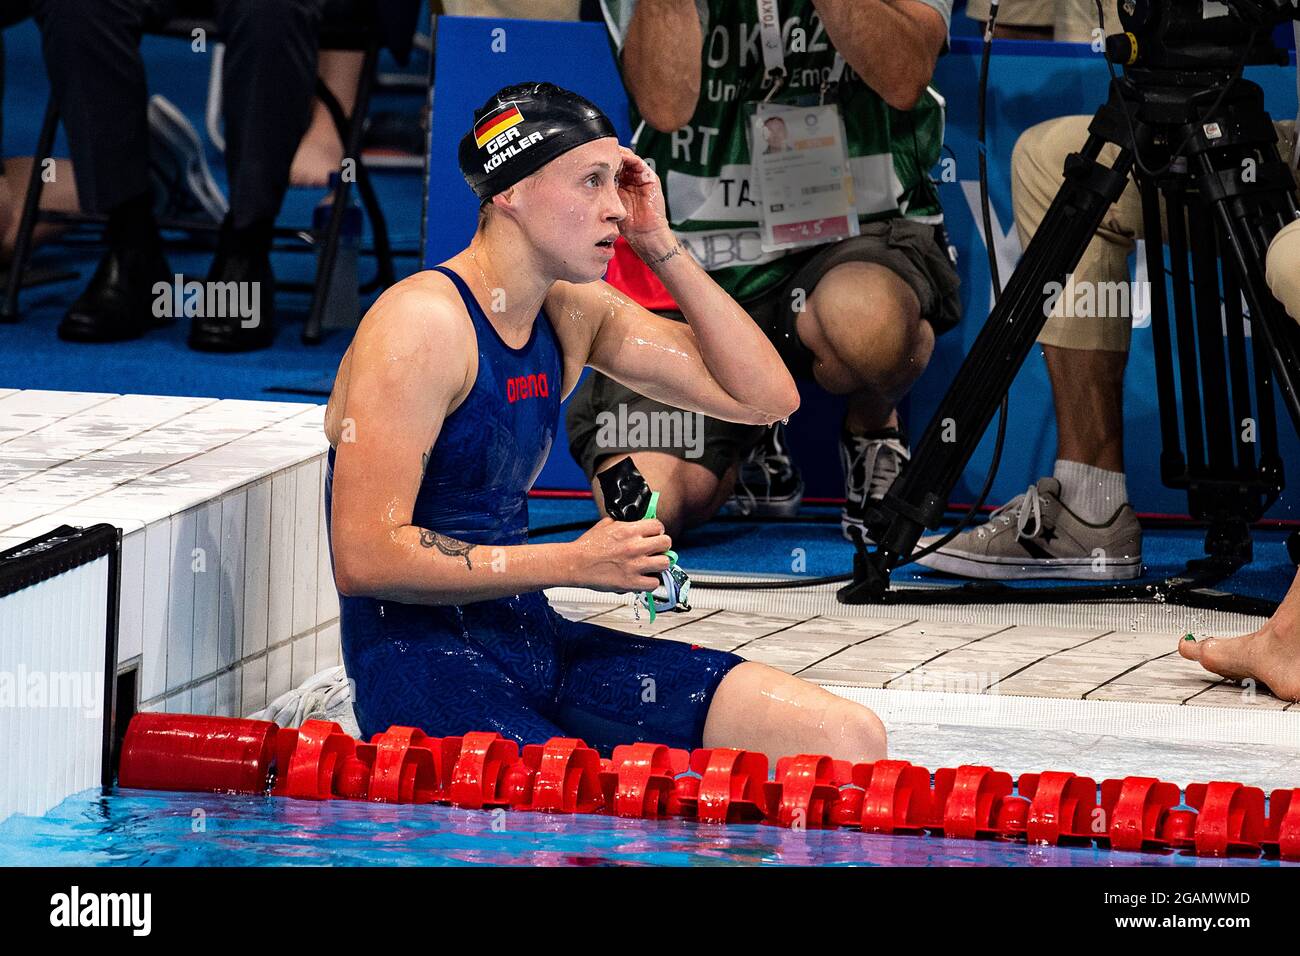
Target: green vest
<point>705,165</point>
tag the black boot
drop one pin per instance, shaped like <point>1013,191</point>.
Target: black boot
<point>244,259</point>
<point>119,303</point>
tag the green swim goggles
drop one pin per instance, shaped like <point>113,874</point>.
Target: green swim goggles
<point>674,591</point>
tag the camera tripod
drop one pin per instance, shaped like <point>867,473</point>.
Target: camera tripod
<point>1200,141</point>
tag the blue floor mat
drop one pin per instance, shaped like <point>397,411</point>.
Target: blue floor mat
<point>815,548</point>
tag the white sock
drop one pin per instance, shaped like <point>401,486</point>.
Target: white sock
<point>1094,494</point>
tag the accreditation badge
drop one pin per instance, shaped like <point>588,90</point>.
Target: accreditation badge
<point>801,170</point>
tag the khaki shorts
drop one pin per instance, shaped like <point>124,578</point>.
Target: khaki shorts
<point>1283,268</point>
<point>605,418</point>
<point>531,9</point>
<point>1071,20</point>
<point>1016,13</point>
<point>1037,165</point>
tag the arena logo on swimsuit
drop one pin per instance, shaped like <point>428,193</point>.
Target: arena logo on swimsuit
<point>527,386</point>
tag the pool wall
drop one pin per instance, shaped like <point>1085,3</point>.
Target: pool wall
<point>227,598</point>
<point>58,598</point>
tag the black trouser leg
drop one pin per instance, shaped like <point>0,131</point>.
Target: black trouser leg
<point>92,56</point>
<point>268,79</point>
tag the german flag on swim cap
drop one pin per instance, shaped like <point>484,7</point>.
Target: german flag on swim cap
<point>496,123</point>
<point>520,129</point>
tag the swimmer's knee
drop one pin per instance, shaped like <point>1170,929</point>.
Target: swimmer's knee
<point>865,733</point>
<point>854,732</point>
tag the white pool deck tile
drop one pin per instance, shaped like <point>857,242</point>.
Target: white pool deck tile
<point>220,505</point>
<point>1018,654</point>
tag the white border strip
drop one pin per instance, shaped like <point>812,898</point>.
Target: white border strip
<point>1168,723</point>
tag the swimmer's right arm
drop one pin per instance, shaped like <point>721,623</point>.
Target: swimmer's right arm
<point>410,363</point>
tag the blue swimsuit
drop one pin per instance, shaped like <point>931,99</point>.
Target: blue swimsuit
<point>512,665</point>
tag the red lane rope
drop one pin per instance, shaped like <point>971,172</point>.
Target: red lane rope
<point>482,770</point>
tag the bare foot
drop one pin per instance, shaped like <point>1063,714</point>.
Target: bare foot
<point>1270,656</point>
<point>317,157</point>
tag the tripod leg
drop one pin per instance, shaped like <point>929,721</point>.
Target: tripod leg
<point>1250,214</point>
<point>918,498</point>
<point>1185,333</point>
<point>1172,461</point>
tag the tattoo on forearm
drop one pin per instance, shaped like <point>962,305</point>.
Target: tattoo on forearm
<point>676,249</point>
<point>448,546</point>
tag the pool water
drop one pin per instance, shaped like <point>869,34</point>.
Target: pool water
<point>145,828</point>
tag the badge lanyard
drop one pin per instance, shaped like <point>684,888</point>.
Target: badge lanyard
<point>803,180</point>
<point>769,25</point>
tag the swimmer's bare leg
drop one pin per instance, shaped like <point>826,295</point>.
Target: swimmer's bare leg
<point>760,708</point>
<point>1270,655</point>
<point>689,493</point>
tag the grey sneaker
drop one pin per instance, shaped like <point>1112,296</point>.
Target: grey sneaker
<point>1035,536</point>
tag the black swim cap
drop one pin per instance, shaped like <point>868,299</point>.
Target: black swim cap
<point>523,127</point>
